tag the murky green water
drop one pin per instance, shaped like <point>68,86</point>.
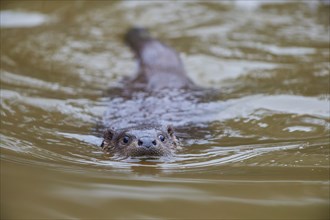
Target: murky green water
<point>264,155</point>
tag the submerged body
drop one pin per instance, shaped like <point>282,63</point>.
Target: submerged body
<point>161,75</point>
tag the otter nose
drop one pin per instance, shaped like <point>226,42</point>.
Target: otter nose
<point>147,142</point>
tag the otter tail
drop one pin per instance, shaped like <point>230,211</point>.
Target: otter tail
<point>136,38</point>
<point>159,64</point>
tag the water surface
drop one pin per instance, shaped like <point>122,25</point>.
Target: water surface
<point>262,154</point>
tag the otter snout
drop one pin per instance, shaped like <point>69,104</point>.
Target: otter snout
<point>147,142</point>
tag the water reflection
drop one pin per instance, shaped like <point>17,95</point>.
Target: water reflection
<point>14,19</point>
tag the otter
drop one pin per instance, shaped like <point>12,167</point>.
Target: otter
<point>157,94</point>
<point>140,141</point>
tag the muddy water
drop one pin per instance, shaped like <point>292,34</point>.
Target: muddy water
<point>263,155</point>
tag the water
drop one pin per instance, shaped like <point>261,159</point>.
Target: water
<point>264,154</point>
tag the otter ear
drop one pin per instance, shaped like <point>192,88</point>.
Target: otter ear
<point>170,130</point>
<point>108,134</point>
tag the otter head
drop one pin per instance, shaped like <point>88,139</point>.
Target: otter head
<point>140,141</point>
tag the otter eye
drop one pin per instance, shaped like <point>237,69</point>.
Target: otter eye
<point>125,139</point>
<point>161,138</point>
